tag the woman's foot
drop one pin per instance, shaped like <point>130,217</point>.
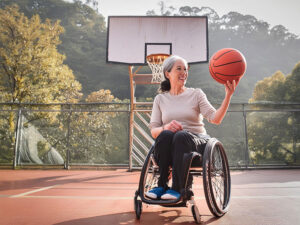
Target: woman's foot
<point>170,195</point>
<point>155,193</point>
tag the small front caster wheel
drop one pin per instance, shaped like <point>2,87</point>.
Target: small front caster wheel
<point>138,206</point>
<point>196,214</point>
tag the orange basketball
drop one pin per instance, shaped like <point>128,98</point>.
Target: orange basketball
<point>227,64</point>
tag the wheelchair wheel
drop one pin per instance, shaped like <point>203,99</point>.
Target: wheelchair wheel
<point>216,178</point>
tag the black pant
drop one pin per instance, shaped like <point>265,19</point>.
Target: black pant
<point>169,152</point>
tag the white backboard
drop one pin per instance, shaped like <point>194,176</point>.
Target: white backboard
<point>131,38</point>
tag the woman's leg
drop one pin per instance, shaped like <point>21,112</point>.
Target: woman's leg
<point>163,156</point>
<point>183,142</point>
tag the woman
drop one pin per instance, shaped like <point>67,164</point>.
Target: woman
<point>177,124</point>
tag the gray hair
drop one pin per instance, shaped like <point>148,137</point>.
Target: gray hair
<point>170,61</point>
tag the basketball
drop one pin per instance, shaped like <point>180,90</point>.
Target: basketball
<point>227,64</point>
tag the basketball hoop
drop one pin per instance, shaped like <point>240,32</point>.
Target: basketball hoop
<point>155,62</point>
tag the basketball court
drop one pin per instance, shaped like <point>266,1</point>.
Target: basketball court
<point>70,197</point>
<point>259,197</point>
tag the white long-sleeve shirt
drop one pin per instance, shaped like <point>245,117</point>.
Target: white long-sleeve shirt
<point>188,108</point>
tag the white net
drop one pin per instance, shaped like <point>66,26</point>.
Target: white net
<point>155,63</point>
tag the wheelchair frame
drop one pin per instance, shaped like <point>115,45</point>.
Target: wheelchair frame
<point>216,181</point>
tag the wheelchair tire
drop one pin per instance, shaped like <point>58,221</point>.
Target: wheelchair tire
<point>216,178</point>
<point>196,214</point>
<point>138,207</point>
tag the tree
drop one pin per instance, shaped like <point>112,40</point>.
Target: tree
<point>275,136</point>
<point>31,68</point>
<point>93,3</point>
<point>90,130</point>
<point>270,88</point>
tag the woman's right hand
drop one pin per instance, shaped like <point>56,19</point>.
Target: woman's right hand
<point>173,126</point>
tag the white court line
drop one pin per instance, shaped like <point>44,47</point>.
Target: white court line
<point>34,191</point>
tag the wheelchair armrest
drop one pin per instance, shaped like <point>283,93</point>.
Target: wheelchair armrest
<point>196,160</point>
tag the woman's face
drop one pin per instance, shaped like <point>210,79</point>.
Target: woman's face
<point>178,74</point>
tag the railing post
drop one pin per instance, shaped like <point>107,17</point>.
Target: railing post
<point>131,115</point>
<point>17,137</point>
<point>67,164</point>
<point>294,133</point>
<point>246,137</point>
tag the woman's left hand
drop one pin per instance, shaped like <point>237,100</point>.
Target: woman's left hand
<point>230,87</point>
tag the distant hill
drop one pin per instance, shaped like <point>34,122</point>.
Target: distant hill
<point>84,43</point>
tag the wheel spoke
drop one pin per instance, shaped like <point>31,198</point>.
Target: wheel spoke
<point>151,178</point>
<point>218,189</point>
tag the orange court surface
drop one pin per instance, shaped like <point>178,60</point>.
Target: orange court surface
<point>73,197</point>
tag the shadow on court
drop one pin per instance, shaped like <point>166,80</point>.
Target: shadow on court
<point>28,183</point>
<point>172,216</point>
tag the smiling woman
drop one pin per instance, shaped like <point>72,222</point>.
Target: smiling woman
<point>177,124</point>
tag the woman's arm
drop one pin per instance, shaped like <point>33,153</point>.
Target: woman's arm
<point>221,111</point>
<point>156,131</point>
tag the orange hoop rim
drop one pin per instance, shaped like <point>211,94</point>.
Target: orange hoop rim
<point>157,58</point>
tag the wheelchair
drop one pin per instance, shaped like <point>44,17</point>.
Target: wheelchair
<point>212,166</point>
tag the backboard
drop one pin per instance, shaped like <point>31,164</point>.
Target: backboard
<point>131,38</point>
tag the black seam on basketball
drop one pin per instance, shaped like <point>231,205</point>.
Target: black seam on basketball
<point>228,63</point>
<point>228,75</point>
<point>210,69</point>
<point>221,79</point>
<point>212,72</point>
<point>223,54</point>
<point>216,78</point>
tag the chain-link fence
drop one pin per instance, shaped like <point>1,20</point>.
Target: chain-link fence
<point>254,135</point>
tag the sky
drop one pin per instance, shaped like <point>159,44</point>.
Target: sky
<point>274,12</point>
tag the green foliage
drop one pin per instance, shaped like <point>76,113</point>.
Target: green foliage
<point>93,133</point>
<point>31,68</point>
<point>270,88</point>
<point>42,147</point>
<point>83,42</point>
<point>276,136</point>
<point>6,138</point>
<point>278,87</point>
<point>91,129</point>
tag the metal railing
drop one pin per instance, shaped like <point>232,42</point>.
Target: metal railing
<point>97,134</point>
